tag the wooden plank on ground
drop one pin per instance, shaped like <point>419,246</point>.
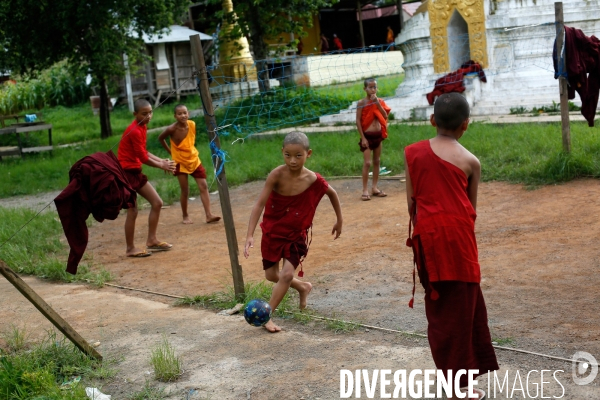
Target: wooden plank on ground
<point>37,149</point>
<point>48,311</point>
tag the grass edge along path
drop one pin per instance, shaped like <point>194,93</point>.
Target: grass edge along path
<point>287,309</point>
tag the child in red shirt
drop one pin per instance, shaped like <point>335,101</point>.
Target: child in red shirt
<point>132,154</point>
<point>290,198</point>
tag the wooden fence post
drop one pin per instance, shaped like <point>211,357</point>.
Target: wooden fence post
<point>211,127</point>
<point>562,81</point>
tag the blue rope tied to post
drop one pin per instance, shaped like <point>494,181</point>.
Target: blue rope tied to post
<point>218,154</point>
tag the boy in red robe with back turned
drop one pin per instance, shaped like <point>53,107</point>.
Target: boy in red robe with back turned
<point>290,198</point>
<point>442,178</point>
<point>371,122</point>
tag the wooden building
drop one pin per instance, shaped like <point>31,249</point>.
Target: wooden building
<point>170,68</point>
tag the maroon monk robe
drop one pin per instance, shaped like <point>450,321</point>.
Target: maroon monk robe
<point>97,186</point>
<point>287,219</point>
<point>446,257</point>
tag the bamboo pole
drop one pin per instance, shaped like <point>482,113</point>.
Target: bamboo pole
<point>211,125</point>
<point>562,81</point>
<point>48,311</point>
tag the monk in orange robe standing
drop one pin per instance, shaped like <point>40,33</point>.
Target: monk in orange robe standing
<point>442,178</point>
<point>371,122</point>
<point>182,135</point>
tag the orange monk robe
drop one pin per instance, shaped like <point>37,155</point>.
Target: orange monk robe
<point>370,112</point>
<point>185,153</point>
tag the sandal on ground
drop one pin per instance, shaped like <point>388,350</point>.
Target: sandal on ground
<point>381,193</point>
<point>162,246</point>
<point>365,197</point>
<point>140,254</point>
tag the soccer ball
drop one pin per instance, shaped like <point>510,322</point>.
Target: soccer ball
<point>257,312</point>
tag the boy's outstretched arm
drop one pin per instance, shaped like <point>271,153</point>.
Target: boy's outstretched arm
<point>409,188</point>
<point>162,139</point>
<point>473,184</point>
<point>257,210</point>
<point>156,162</point>
<point>335,202</point>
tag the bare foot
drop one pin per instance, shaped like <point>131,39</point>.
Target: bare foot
<point>187,220</point>
<point>304,294</point>
<point>212,219</point>
<point>271,327</point>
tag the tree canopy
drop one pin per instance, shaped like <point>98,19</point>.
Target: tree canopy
<point>91,34</point>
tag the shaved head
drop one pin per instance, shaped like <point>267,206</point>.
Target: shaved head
<point>139,103</point>
<point>297,137</point>
<point>178,106</point>
<point>450,111</point>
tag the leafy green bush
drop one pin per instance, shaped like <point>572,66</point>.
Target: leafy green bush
<point>54,86</point>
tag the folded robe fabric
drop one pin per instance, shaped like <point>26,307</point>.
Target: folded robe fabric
<point>582,69</point>
<point>97,186</point>
<point>370,112</point>
<point>453,82</point>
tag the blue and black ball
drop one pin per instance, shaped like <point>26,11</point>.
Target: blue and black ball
<point>257,312</point>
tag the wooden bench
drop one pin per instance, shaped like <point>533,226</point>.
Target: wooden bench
<point>16,118</point>
<point>17,129</point>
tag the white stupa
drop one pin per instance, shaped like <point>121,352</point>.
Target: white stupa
<point>511,39</point>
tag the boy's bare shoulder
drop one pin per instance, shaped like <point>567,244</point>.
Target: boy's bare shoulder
<point>171,128</point>
<point>361,102</point>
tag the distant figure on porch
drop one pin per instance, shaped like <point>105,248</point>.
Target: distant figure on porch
<point>300,47</point>
<point>390,38</point>
<point>337,43</point>
<point>324,44</point>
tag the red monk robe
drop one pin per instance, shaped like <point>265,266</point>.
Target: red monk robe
<point>370,112</point>
<point>286,222</point>
<point>445,252</point>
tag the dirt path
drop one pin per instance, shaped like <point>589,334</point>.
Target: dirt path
<point>539,258</point>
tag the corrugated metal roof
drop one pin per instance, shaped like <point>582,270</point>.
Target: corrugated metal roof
<point>178,34</point>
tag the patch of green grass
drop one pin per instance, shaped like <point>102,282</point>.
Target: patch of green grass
<point>166,364</point>
<point>148,392</point>
<point>37,249</point>
<point>39,371</point>
<point>353,91</point>
<point>341,326</point>
<point>15,338</point>
<point>503,341</point>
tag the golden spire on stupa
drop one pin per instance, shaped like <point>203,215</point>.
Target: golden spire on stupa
<point>235,58</point>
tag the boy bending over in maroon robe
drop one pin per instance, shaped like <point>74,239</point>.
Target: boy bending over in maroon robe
<point>290,198</point>
<point>441,189</point>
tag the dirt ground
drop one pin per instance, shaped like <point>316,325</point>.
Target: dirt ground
<point>539,259</point>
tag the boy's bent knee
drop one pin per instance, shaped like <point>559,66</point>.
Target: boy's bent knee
<point>157,203</point>
<point>286,276</point>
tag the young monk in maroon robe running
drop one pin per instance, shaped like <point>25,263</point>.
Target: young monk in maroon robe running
<point>290,198</point>
<point>441,189</point>
<point>371,122</point>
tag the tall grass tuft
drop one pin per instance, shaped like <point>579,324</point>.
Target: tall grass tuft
<point>166,364</point>
<point>39,371</point>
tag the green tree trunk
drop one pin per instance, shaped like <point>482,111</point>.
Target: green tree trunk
<point>105,128</point>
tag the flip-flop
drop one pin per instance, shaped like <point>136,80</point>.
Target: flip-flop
<point>162,246</point>
<point>141,254</point>
<point>365,197</point>
<point>379,194</point>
